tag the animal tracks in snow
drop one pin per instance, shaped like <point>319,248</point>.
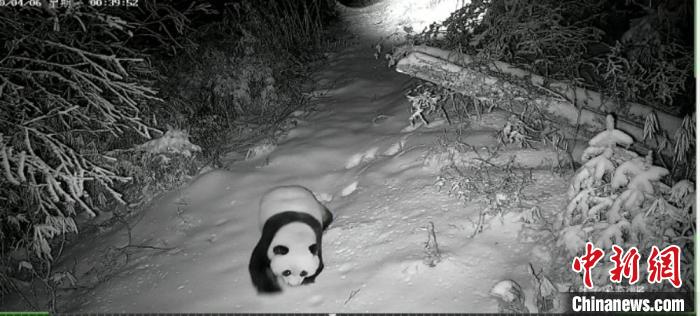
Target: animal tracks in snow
<point>368,156</point>
<point>323,197</point>
<point>379,119</point>
<point>417,125</point>
<point>361,157</point>
<point>371,154</point>
<point>349,189</point>
<point>396,147</point>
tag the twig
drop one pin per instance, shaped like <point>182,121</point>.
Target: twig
<point>431,247</point>
<point>24,297</point>
<point>147,247</point>
<point>480,223</point>
<point>352,294</point>
<point>410,149</point>
<point>129,245</point>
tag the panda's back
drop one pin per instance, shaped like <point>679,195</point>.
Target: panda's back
<point>290,198</point>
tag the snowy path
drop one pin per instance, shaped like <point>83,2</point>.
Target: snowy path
<point>353,155</point>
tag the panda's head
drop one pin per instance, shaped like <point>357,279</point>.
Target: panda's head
<point>288,252</point>
<point>293,254</point>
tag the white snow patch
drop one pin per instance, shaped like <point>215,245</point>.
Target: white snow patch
<point>345,267</point>
<point>260,150</point>
<point>324,197</point>
<point>396,147</point>
<point>298,113</point>
<point>359,158</point>
<point>173,141</point>
<point>315,300</point>
<point>506,289</point>
<point>436,123</point>
<point>390,18</point>
<point>354,160</point>
<point>411,128</point>
<point>349,189</point>
<point>393,149</point>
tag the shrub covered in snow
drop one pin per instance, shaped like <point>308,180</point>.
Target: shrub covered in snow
<point>651,62</point>
<point>158,165</point>
<point>618,198</point>
<point>232,86</point>
<point>78,90</point>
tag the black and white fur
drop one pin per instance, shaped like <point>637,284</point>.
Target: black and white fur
<point>289,250</point>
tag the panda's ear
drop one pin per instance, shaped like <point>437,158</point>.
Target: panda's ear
<point>327,218</point>
<point>260,272</point>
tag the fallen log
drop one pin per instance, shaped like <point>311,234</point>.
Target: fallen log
<point>560,101</point>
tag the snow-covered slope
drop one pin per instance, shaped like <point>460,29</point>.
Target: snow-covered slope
<point>189,252</point>
<point>369,173</point>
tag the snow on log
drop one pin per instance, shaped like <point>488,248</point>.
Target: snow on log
<point>560,100</point>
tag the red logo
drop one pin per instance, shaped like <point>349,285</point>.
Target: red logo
<point>661,264</point>
<point>586,262</point>
<point>627,265</point>
<point>665,265</point>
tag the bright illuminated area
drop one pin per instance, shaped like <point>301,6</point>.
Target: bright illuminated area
<point>347,156</point>
<point>390,18</point>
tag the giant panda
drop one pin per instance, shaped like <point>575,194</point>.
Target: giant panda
<point>289,250</point>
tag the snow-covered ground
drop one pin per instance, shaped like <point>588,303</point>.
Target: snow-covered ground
<point>388,19</point>
<point>355,153</point>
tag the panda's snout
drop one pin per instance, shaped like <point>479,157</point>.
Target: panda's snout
<point>293,280</point>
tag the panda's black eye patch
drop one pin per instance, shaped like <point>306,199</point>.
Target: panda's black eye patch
<point>280,250</point>
<point>313,249</point>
